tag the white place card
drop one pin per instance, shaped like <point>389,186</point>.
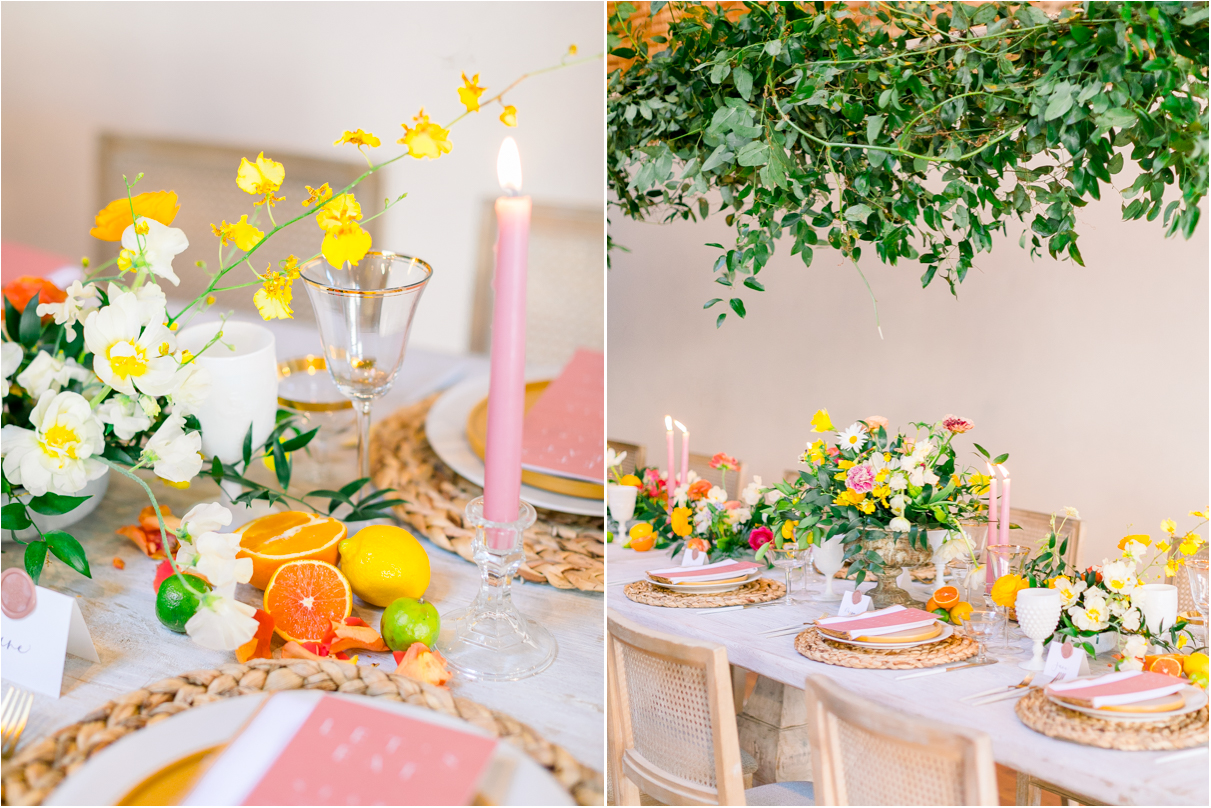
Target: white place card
<point>34,647</point>
<point>1065,661</point>
<point>693,558</point>
<point>854,602</point>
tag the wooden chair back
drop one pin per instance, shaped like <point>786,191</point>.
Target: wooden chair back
<point>565,295</point>
<point>635,459</point>
<point>203,175</point>
<point>865,754</point>
<point>672,718</point>
<point>736,480</point>
<point>1035,526</point>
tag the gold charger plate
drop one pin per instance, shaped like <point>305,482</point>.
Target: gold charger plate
<point>477,436</point>
<point>170,784</point>
<point>1161,704</point>
<point>907,635</point>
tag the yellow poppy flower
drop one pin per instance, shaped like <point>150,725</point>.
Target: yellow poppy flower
<point>344,238</point>
<point>681,521</point>
<point>509,116</point>
<point>242,234</point>
<point>1005,589</point>
<point>261,178</point>
<point>358,138</point>
<point>427,139</point>
<point>469,93</point>
<point>317,194</point>
<point>114,218</point>
<point>821,422</point>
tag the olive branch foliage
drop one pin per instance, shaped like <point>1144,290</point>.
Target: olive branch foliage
<point>919,128</point>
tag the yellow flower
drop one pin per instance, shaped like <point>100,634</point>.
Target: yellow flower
<point>115,217</point>
<point>242,234</point>
<point>273,299</point>
<point>509,116</point>
<point>846,464</point>
<point>681,521</point>
<point>866,506</point>
<point>344,238</point>
<point>572,49</point>
<point>358,138</point>
<point>882,475</point>
<point>816,452</point>
<point>1162,547</point>
<point>979,483</point>
<point>1142,538</point>
<point>821,422</point>
<point>1190,544</point>
<point>142,228</point>
<point>1169,526</point>
<point>788,529</point>
<point>1199,514</point>
<point>881,491</point>
<point>1181,641</point>
<point>317,194</point>
<point>126,260</point>
<point>427,139</point>
<point>1005,589</point>
<point>1170,568</point>
<point>469,93</point>
<point>261,178</point>
<point>849,497</point>
<point>841,475</point>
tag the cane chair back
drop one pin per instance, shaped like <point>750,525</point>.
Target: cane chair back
<point>565,290</point>
<point>1185,597</point>
<point>1035,527</point>
<point>700,464</point>
<point>672,717</point>
<point>865,754</point>
<point>203,176</point>
<point>635,459</point>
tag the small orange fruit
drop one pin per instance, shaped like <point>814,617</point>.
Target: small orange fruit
<point>631,480</point>
<point>960,611</point>
<point>273,540</point>
<point>304,597</point>
<point>1168,666</point>
<point>931,604</point>
<point>946,597</point>
<point>643,538</point>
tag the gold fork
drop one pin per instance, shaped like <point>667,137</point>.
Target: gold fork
<point>1024,683</point>
<point>14,713</point>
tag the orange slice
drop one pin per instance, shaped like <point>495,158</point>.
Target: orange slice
<point>1168,666</point>
<point>946,597</point>
<point>273,540</point>
<point>304,597</point>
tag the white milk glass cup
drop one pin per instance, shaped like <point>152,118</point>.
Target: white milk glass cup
<point>829,557</point>
<point>1158,605</point>
<point>621,499</point>
<point>1038,613</point>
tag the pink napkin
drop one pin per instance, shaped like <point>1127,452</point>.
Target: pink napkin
<point>563,432</point>
<point>878,623</point>
<point>720,570</point>
<point>1124,687</point>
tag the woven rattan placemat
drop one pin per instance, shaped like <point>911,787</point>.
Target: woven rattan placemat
<point>1043,715</point>
<point>562,550</point>
<point>758,591</point>
<point>38,768</point>
<point>815,646</point>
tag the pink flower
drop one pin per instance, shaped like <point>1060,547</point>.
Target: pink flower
<point>759,537</point>
<point>957,425</point>
<point>861,478</point>
<point>731,505</point>
<point>723,461</point>
<point>874,422</point>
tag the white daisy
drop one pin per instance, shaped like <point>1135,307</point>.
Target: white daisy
<point>854,437</point>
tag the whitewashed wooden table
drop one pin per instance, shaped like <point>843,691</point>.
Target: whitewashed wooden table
<point>1113,777</point>
<point>565,703</point>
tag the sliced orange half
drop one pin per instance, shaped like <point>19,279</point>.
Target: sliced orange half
<point>946,597</point>
<point>304,597</point>
<point>273,540</point>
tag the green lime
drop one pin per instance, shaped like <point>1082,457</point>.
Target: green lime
<point>409,620</point>
<point>942,614</point>
<point>175,604</point>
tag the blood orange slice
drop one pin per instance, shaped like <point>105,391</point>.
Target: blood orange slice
<point>304,597</point>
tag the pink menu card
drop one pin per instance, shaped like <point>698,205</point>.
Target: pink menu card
<point>721,570</point>
<point>564,432</point>
<point>1124,687</point>
<point>883,621</point>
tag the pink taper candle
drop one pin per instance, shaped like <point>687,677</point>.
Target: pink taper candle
<point>1004,506</point>
<point>684,476</point>
<point>671,480</point>
<point>507,385</point>
<point>993,534</point>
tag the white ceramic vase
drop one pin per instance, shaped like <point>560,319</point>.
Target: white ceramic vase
<point>1158,605</point>
<point>94,489</point>
<point>621,500</point>
<point>1038,613</point>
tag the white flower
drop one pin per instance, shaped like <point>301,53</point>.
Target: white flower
<point>1069,591</point>
<point>174,453</point>
<point>56,455</point>
<point>702,519</point>
<point>192,390</point>
<point>956,546</point>
<point>681,496</point>
<point>772,496</point>
<point>152,304</point>
<point>898,481</point>
<point>1131,664</point>
<point>161,244</point>
<point>751,494</point>
<point>1133,551</point>
<point>216,559</point>
<point>48,372</point>
<point>899,525</point>
<point>126,359</point>
<point>80,297</point>
<point>1119,577</point>
<point>716,496</point>
<point>854,437</point>
<point>222,623</point>
<point>205,517</point>
<point>613,459</point>
<point>739,515</point>
<point>1071,511</point>
<point>126,414</point>
<point>11,355</point>
<point>1094,615</point>
<point>897,504</point>
<point>1131,619</point>
<point>1134,650</point>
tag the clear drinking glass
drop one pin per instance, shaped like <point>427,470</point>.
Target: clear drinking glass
<point>1006,559</point>
<point>981,625</point>
<point>786,559</point>
<point>364,314</point>
<point>808,593</point>
<point>1196,576</point>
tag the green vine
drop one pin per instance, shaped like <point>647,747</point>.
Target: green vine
<point>919,128</point>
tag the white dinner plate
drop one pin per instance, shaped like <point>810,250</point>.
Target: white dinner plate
<point>446,429</point>
<point>1196,699</point>
<point>709,589</point>
<point>112,773</point>
<point>947,630</point>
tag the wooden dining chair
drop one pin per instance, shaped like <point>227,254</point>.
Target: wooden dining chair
<point>1036,525</point>
<point>672,723</point>
<point>636,455</point>
<point>700,464</point>
<point>864,753</point>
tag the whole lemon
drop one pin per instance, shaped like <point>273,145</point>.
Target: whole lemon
<point>1195,663</point>
<point>383,563</point>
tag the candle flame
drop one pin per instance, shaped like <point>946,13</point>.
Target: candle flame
<point>1004,471</point>
<point>681,426</point>
<point>508,166</point>
<point>668,423</point>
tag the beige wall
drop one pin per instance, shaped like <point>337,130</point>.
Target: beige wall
<point>292,76</point>
<point>1093,379</point>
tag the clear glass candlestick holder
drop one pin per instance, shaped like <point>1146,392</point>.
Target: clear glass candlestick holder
<point>491,640</point>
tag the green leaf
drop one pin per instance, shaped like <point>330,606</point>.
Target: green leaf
<point>712,302</point>
<point>719,72</point>
<point>773,47</point>
<point>68,550</point>
<point>744,82</point>
<point>54,504</point>
<point>35,557</point>
<point>1059,103</point>
<point>299,441</point>
<point>248,446</point>
<point>1000,459</point>
<point>281,465</point>
<point>737,306</point>
<point>874,125</point>
<point>31,323</point>
<point>1116,163</point>
<point>14,517</point>
<point>755,153</point>
<point>754,284</point>
<point>718,157</point>
<point>982,450</point>
<point>858,213</point>
<point>1119,118</point>
<point>719,320</point>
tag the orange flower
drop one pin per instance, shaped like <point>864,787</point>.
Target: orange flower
<point>1005,589</point>
<point>424,665</point>
<point>1142,538</point>
<point>724,461</point>
<point>699,489</point>
<point>115,217</point>
<point>20,290</point>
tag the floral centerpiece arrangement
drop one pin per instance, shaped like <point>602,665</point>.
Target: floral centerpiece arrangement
<point>1106,598</point>
<point>872,485</point>
<point>93,378</point>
